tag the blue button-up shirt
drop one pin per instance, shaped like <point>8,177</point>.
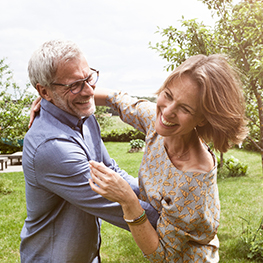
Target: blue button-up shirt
<point>63,213</point>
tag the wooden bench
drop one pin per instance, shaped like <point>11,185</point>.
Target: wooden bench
<point>3,162</point>
<point>17,156</point>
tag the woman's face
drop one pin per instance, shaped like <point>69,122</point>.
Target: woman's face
<point>178,110</point>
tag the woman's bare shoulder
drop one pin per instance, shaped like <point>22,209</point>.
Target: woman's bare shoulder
<point>203,161</point>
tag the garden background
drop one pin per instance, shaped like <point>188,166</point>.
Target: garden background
<point>238,33</point>
<point>241,200</point>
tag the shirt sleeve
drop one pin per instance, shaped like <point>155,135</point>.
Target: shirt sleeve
<point>67,174</point>
<point>138,113</point>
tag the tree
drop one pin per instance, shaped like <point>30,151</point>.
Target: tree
<point>102,118</point>
<point>14,117</point>
<point>237,33</point>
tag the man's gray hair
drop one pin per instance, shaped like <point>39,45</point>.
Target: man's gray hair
<point>43,65</point>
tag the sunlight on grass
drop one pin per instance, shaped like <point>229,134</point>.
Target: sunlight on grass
<point>239,197</point>
<point>117,123</point>
<point>119,246</point>
<point>12,216</point>
<point>130,162</point>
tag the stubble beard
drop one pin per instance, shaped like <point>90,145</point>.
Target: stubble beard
<point>60,103</point>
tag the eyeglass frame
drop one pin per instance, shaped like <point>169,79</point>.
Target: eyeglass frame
<point>80,80</point>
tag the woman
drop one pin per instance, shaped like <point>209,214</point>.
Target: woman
<point>200,101</point>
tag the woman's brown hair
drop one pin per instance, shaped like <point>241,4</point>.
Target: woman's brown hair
<point>221,98</point>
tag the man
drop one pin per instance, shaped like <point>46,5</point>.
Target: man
<point>63,213</point>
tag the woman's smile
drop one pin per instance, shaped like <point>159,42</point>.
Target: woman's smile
<point>167,123</point>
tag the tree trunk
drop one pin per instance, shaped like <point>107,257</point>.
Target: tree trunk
<point>222,159</point>
<point>260,114</point>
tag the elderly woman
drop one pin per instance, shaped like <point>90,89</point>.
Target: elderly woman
<point>201,101</point>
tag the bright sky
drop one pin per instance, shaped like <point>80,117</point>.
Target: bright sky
<point>113,34</point>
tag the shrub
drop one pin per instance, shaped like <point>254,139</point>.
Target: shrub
<point>232,167</point>
<point>136,145</point>
<point>252,240</point>
<point>122,135</point>
<point>7,148</point>
<point>5,187</point>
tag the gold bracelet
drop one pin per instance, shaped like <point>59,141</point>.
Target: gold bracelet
<point>137,221</point>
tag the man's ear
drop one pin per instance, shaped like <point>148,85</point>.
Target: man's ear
<point>44,92</point>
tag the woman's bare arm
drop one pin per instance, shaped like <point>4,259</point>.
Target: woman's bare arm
<point>101,95</point>
<point>100,100</point>
<point>35,107</point>
<point>110,185</point>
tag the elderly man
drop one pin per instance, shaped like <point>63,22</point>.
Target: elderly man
<point>63,213</point>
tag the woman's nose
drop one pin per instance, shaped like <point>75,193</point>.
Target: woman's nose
<point>169,110</point>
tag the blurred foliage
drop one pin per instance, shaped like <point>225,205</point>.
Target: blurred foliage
<point>231,167</point>
<point>238,32</point>
<point>252,240</point>
<point>137,144</point>
<point>102,117</point>
<point>14,106</point>
<point>122,135</point>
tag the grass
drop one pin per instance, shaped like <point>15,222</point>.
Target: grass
<point>116,123</point>
<point>118,245</point>
<point>12,216</point>
<point>240,197</point>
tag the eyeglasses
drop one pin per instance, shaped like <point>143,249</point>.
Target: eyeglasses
<point>78,85</point>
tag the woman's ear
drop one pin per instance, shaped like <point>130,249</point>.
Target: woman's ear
<point>44,92</point>
<point>202,122</point>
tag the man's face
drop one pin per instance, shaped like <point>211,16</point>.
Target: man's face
<point>81,104</point>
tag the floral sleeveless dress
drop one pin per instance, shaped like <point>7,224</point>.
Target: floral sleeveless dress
<point>188,202</point>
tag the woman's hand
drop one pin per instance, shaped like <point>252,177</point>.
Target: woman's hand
<point>35,107</point>
<point>116,189</point>
<point>109,184</point>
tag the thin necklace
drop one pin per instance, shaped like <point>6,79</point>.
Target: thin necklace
<point>183,154</point>
<point>178,156</point>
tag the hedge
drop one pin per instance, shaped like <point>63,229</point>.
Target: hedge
<point>122,135</point>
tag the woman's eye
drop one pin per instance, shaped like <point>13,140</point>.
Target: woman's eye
<point>186,110</point>
<point>167,95</point>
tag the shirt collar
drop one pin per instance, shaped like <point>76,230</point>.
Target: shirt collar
<point>61,115</point>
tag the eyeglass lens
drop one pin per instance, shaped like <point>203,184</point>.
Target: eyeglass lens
<point>79,85</point>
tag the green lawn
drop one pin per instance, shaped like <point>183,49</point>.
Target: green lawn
<point>240,197</point>
<point>116,123</point>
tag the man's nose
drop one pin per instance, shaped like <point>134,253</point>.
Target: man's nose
<point>87,89</point>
